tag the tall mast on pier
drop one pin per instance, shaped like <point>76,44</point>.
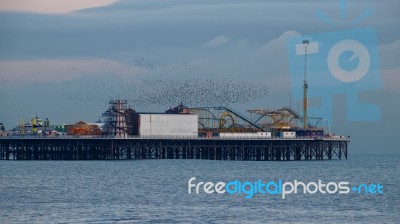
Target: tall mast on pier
<point>305,85</point>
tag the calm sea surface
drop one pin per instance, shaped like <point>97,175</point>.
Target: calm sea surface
<point>156,191</point>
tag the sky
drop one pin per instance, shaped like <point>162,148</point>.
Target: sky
<point>64,59</point>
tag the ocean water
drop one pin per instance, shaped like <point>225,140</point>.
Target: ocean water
<point>156,191</point>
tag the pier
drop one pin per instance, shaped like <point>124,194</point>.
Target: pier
<point>74,148</point>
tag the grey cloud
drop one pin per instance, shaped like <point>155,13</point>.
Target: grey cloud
<point>390,54</point>
<point>217,41</point>
<point>148,25</point>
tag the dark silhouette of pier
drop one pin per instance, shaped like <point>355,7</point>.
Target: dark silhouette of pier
<point>72,148</point>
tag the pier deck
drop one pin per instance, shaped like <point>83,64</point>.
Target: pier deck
<point>71,148</point>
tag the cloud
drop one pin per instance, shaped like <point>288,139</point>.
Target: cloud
<point>216,42</point>
<point>277,44</point>
<point>390,68</point>
<point>272,55</point>
<point>51,6</point>
<point>61,70</point>
<point>391,80</point>
<point>390,54</point>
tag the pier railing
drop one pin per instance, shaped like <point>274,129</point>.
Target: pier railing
<point>171,137</point>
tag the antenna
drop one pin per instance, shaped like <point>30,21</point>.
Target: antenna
<point>305,86</point>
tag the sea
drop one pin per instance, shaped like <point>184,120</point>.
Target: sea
<point>156,191</point>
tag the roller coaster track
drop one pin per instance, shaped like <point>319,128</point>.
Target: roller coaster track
<point>221,108</point>
<point>280,112</point>
<point>240,116</point>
